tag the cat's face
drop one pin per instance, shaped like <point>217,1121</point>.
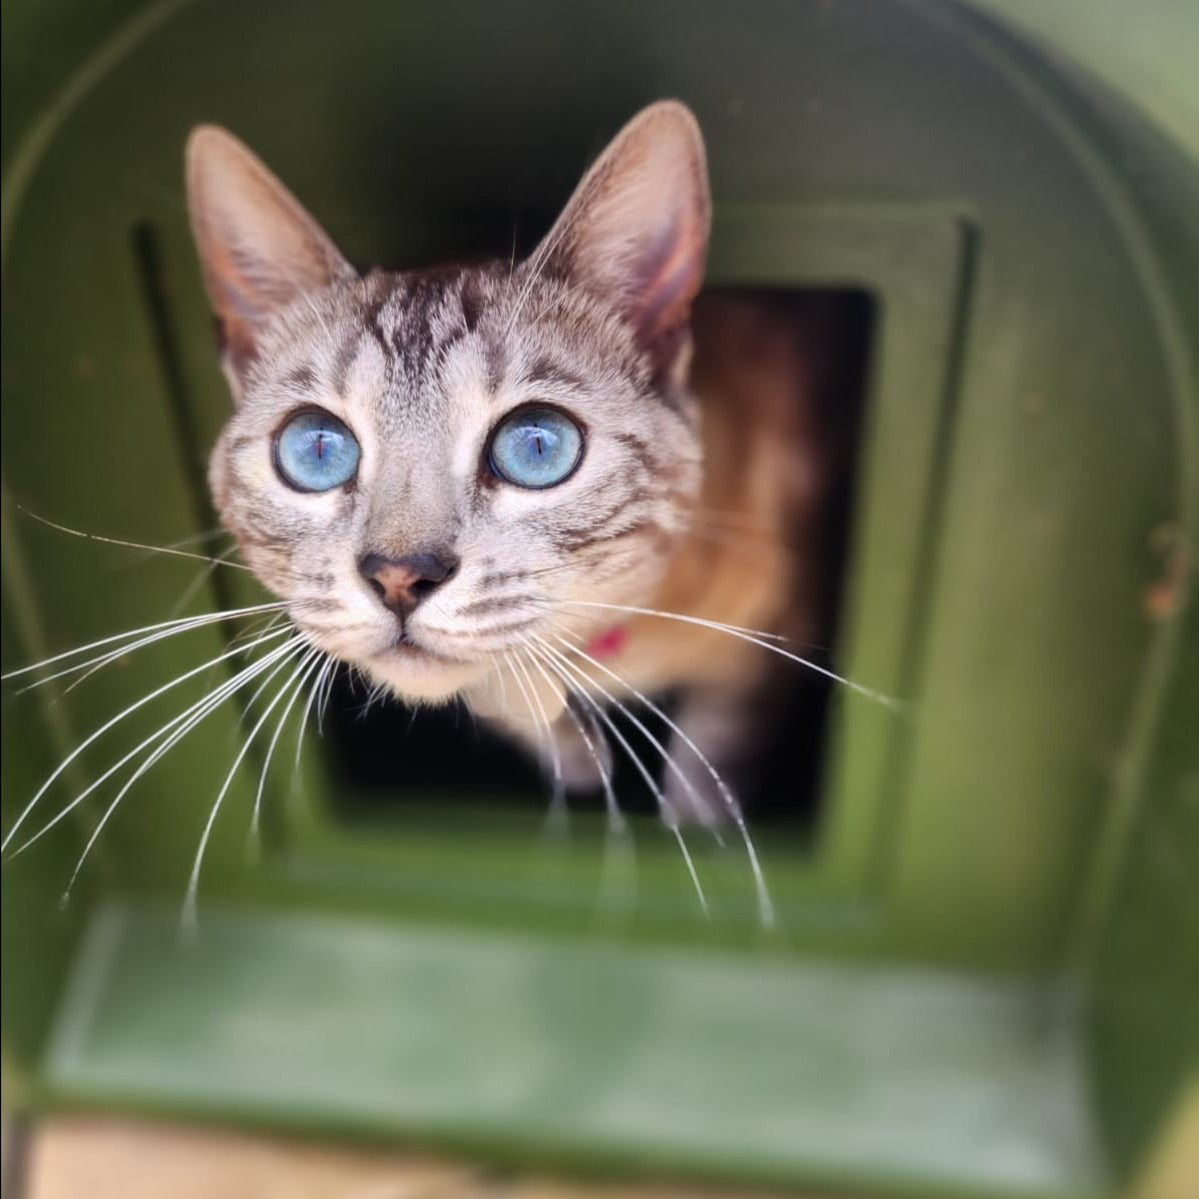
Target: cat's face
<point>427,466</point>
<point>423,373</point>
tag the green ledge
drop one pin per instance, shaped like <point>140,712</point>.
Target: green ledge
<point>540,1049</point>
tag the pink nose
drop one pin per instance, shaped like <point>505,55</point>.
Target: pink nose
<point>402,583</point>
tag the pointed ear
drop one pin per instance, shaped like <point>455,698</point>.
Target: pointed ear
<point>636,230</point>
<point>259,250</point>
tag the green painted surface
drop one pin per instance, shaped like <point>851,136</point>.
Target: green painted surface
<point>1030,450</point>
<point>1146,54</point>
<point>39,940</point>
<point>1143,937</point>
<point>573,1046</point>
<point>986,847</point>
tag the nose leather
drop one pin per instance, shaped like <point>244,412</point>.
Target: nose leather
<point>402,583</point>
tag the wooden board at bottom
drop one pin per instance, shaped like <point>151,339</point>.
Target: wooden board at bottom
<point>112,1158</point>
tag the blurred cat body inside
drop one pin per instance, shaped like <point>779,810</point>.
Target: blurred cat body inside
<point>543,487</point>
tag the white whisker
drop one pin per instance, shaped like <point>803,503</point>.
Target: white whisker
<point>666,812</point>
<point>117,654</point>
<point>145,699</point>
<point>640,725</point>
<point>536,266</point>
<point>619,860</point>
<point>202,576</point>
<point>181,624</point>
<point>183,725</point>
<point>754,637</point>
<point>499,674</point>
<point>375,692</point>
<point>264,624</point>
<point>330,663</point>
<point>198,538</point>
<point>132,545</point>
<point>615,818</point>
<point>188,916</point>
<point>617,847</point>
<point>311,662</point>
<point>322,704</point>
<point>300,640</point>
<point>765,904</point>
<point>541,720</point>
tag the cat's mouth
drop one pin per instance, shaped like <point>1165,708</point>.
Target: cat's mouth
<point>415,672</point>
<point>405,649</point>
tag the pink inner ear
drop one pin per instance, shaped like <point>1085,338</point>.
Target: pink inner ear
<point>663,299</point>
<point>635,232</point>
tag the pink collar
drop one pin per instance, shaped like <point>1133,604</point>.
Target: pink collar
<point>608,643</point>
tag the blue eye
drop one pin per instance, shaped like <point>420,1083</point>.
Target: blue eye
<point>536,447</point>
<point>314,451</point>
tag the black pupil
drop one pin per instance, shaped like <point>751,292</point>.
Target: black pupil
<point>320,443</point>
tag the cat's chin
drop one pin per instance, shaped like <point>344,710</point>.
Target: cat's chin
<point>413,674</point>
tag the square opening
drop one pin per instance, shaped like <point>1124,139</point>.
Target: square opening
<point>392,804</point>
<point>384,761</point>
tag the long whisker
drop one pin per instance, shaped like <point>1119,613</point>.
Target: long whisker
<point>299,641</point>
<point>499,674</point>
<point>376,694</point>
<point>330,663</point>
<point>272,621</point>
<point>754,638</point>
<point>667,814</point>
<point>187,721</point>
<point>120,652</point>
<point>145,699</point>
<point>182,623</point>
<point>765,904</point>
<point>615,817</point>
<point>188,916</point>
<point>536,266</point>
<point>512,256</point>
<point>199,538</point>
<point>640,725</point>
<point>202,576</point>
<point>617,847</point>
<point>132,545</point>
<point>263,624</point>
<point>218,694</point>
<point>311,662</point>
<point>541,720</point>
<point>322,704</point>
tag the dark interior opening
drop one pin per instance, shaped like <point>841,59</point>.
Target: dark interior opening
<point>389,759</point>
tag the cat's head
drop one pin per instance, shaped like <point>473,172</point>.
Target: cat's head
<point>426,465</point>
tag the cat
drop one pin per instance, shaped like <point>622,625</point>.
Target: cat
<point>542,487</point>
